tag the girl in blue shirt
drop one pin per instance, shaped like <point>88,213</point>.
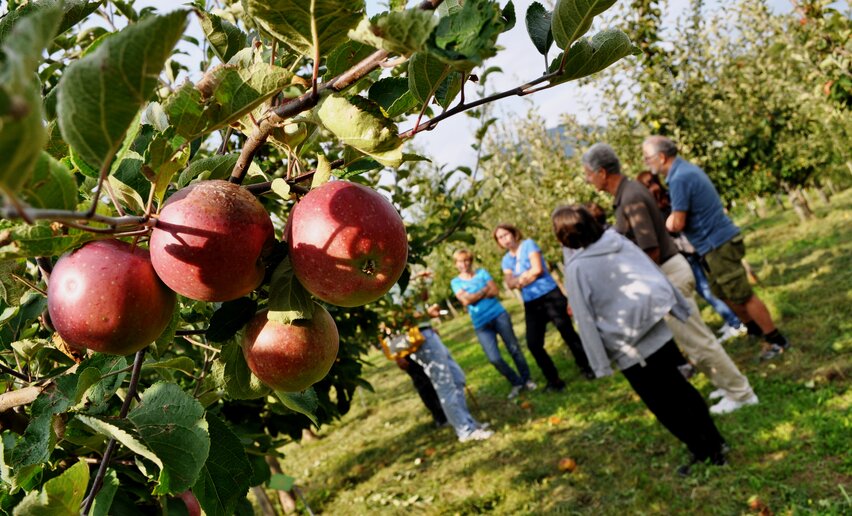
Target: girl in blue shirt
<point>477,291</point>
<point>524,268</point>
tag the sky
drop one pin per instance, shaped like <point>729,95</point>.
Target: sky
<point>450,143</point>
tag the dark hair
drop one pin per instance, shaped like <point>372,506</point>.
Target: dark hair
<point>575,227</point>
<point>597,212</point>
<point>507,227</point>
<point>661,195</point>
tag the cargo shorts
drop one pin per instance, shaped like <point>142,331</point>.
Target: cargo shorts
<point>728,277</point>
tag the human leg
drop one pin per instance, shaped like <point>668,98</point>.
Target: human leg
<point>556,307</point>
<point>676,404</point>
<point>698,341</point>
<point>487,335</point>
<point>438,366</point>
<point>702,286</point>
<point>426,391</point>
<point>503,325</point>
<point>536,322</point>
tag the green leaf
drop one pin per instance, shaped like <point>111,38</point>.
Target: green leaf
<point>468,36</point>
<point>401,32</point>
<point>224,479</point>
<point>508,15</point>
<point>213,167</point>
<point>322,173</point>
<point>538,26</point>
<point>225,38</point>
<point>101,94</point>
<point>345,57</point>
<point>449,89</point>
<point>35,445</point>
<point>304,402</point>
<point>40,239</point>
<point>231,373</point>
<point>281,482</point>
<point>73,11</point>
<point>11,289</point>
<point>288,299</point>
<point>224,95</point>
<point>425,73</point>
<point>22,132</point>
<point>167,428</point>
<point>227,320</point>
<point>586,58</point>
<point>359,122</point>
<point>51,185</point>
<point>281,188</point>
<point>185,365</point>
<point>573,18</point>
<point>100,378</point>
<point>60,496</point>
<point>393,95</point>
<point>103,500</point>
<point>290,21</point>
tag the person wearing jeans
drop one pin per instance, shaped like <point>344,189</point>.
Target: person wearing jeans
<point>477,291</point>
<point>524,268</point>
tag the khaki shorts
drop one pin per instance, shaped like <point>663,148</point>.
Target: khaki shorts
<point>728,277</point>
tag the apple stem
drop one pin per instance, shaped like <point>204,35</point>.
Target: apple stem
<point>125,408</point>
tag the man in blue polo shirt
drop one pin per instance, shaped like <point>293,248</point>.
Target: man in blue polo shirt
<point>698,212</point>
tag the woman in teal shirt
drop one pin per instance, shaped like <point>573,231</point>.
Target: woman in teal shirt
<point>524,268</point>
<point>477,291</point>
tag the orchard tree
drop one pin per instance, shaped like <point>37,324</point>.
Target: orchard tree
<point>147,183</point>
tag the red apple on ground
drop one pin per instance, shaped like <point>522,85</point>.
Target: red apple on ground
<point>347,243</point>
<point>291,357</point>
<point>210,241</point>
<point>106,297</point>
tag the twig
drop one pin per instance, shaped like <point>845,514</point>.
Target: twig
<point>125,407</point>
<point>181,333</point>
<point>8,370</point>
<point>64,215</point>
<point>101,178</point>
<point>201,345</point>
<point>315,39</point>
<point>302,499</point>
<point>223,149</point>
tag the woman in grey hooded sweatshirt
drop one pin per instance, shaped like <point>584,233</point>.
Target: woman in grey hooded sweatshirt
<point>619,297</point>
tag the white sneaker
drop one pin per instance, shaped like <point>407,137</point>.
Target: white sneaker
<point>727,405</point>
<point>727,332</point>
<point>515,391</point>
<point>718,393</point>
<point>477,435</point>
<point>530,385</point>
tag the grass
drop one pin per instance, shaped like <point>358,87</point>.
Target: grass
<point>790,453</point>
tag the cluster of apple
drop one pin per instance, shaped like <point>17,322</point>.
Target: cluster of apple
<point>347,245</point>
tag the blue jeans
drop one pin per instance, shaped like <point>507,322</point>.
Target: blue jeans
<point>487,335</point>
<point>448,380</point>
<point>702,285</point>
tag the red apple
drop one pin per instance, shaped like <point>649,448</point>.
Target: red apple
<point>347,243</point>
<point>291,357</point>
<point>106,297</point>
<point>193,508</point>
<point>210,241</point>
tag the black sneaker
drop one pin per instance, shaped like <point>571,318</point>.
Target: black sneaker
<point>686,370</point>
<point>718,459</point>
<point>771,351</point>
<point>555,387</point>
<point>590,375</point>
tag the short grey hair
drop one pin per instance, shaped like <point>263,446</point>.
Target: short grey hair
<point>662,144</point>
<point>602,156</point>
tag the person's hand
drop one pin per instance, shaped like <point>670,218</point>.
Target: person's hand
<point>434,311</point>
<point>402,363</point>
<point>570,312</point>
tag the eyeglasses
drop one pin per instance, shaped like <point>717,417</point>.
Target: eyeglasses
<point>647,159</point>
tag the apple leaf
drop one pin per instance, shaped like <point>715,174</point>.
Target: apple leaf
<point>538,26</point>
<point>229,318</point>
<point>213,167</point>
<point>393,95</point>
<point>224,95</point>
<point>101,94</point>
<point>401,32</point>
<point>322,173</point>
<point>425,73</point>
<point>185,365</point>
<point>290,21</point>
<point>61,495</point>
<point>224,479</point>
<point>35,446</point>
<point>103,500</point>
<point>573,18</point>
<point>508,16</point>
<point>588,57</point>
<point>281,188</point>
<point>281,482</point>
<point>359,122</point>
<point>288,299</point>
<point>305,402</point>
<point>231,373</point>
<point>449,89</point>
<point>345,57</point>
<point>168,428</point>
<point>466,37</point>
<point>22,133</point>
<point>51,185</point>
<point>73,11</point>
<point>11,289</point>
<point>40,239</point>
<point>225,38</point>
<point>129,184</point>
<point>108,373</point>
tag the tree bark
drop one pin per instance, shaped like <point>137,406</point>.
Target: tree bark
<point>800,204</point>
<point>285,498</point>
<point>452,309</point>
<point>761,207</point>
<point>779,200</point>
<point>266,507</point>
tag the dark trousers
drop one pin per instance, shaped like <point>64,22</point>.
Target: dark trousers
<point>426,391</point>
<point>552,307</point>
<point>675,402</point>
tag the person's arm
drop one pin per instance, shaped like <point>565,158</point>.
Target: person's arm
<point>639,219</point>
<point>534,271</point>
<point>676,222</point>
<point>584,316</point>
<point>466,298</point>
<point>510,279</point>
<point>654,254</point>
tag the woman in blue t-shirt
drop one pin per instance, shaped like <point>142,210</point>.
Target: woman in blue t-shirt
<point>477,291</point>
<point>524,268</point>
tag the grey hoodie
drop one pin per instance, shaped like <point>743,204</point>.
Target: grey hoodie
<point>619,297</point>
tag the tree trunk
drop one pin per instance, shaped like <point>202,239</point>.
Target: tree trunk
<point>779,200</point>
<point>830,184</point>
<point>761,207</point>
<point>452,309</point>
<point>266,507</point>
<point>285,498</point>
<point>824,194</point>
<point>800,204</point>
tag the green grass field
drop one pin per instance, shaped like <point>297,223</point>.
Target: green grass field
<point>790,454</point>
